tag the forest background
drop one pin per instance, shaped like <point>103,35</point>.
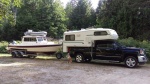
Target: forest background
<point>130,18</point>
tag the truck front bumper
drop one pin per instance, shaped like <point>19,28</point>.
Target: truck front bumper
<point>142,59</point>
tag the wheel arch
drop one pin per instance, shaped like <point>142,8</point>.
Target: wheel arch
<point>79,52</point>
<point>128,55</point>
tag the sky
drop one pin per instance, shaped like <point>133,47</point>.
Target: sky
<point>94,3</point>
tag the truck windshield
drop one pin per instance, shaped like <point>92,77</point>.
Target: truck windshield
<point>120,45</point>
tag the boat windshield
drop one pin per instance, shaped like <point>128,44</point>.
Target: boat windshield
<point>40,39</point>
<point>44,38</point>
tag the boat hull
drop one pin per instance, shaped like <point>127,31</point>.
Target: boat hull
<point>36,48</point>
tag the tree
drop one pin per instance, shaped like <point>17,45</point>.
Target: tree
<point>81,15</point>
<point>8,16</point>
<point>58,19</point>
<point>6,8</point>
<point>127,17</point>
<point>69,11</point>
<point>45,15</point>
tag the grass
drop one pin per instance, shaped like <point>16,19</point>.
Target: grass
<point>3,54</point>
<point>46,57</point>
<point>39,56</point>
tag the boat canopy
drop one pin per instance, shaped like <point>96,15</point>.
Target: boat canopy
<point>31,33</point>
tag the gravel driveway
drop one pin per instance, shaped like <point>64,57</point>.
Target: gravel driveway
<point>53,71</point>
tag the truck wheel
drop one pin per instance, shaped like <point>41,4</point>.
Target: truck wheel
<point>79,58</point>
<point>58,55</point>
<point>13,54</point>
<point>131,62</point>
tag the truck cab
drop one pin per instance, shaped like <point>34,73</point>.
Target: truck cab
<point>112,50</point>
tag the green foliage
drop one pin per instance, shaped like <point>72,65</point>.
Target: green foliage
<point>38,15</point>
<point>7,15</point>
<point>130,18</point>
<point>80,15</point>
<point>130,42</point>
<point>3,45</point>
<point>7,9</point>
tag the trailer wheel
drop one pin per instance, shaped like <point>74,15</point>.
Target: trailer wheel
<point>14,55</point>
<point>79,58</point>
<point>131,62</point>
<point>20,54</point>
<point>58,55</point>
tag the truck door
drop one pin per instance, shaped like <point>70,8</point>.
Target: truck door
<point>106,51</point>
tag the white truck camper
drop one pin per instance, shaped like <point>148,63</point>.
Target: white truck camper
<point>101,44</point>
<point>86,37</point>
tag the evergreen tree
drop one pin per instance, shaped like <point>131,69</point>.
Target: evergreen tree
<point>8,17</point>
<point>128,18</point>
<point>69,11</point>
<point>45,15</point>
<point>80,17</point>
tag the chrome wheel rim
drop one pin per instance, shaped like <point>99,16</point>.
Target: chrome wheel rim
<point>130,62</point>
<point>78,58</point>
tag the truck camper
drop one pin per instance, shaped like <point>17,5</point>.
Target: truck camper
<point>100,43</point>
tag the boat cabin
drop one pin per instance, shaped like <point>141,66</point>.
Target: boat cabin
<point>34,38</point>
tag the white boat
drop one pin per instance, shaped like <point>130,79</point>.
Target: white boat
<point>33,43</point>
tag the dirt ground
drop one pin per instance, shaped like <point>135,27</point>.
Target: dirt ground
<point>53,71</point>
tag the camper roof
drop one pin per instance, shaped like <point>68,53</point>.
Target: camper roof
<point>90,29</point>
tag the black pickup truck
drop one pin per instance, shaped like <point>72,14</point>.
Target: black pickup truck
<point>109,50</point>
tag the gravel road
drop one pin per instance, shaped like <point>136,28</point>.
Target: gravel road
<point>53,71</point>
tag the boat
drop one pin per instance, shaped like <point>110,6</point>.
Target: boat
<point>33,43</point>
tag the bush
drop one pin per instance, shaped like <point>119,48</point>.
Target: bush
<point>3,45</point>
<point>130,42</point>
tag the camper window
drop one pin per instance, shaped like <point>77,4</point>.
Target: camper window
<point>98,33</point>
<point>70,37</point>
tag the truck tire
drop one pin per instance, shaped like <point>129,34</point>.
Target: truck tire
<point>14,55</point>
<point>131,62</point>
<point>58,55</point>
<point>79,58</point>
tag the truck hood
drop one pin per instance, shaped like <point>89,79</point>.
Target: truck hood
<point>131,49</point>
